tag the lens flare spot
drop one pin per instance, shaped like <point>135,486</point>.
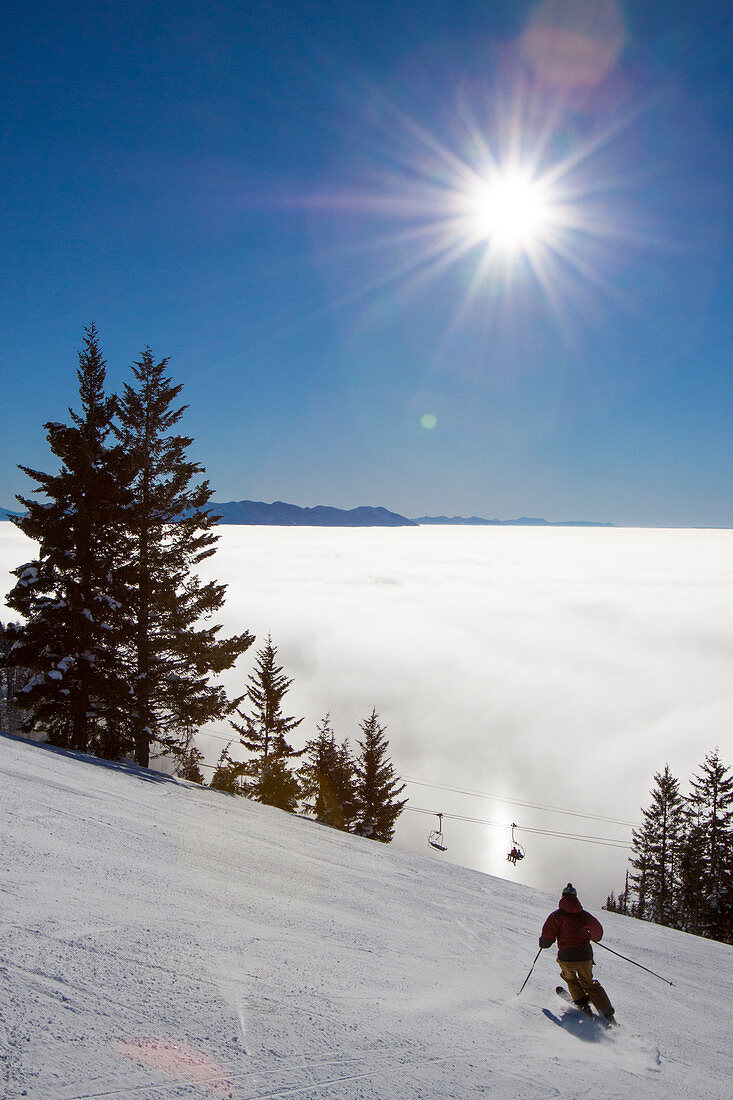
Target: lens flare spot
<point>573,44</point>
<point>185,1064</point>
<point>429,421</point>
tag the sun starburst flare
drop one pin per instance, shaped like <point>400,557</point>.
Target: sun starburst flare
<point>505,203</point>
<point>511,210</point>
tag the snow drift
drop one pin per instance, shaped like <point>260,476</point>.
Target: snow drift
<point>163,940</point>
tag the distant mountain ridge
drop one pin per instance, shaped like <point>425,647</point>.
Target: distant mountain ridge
<point>256,513</point>
<point>280,514</point>
<point>523,521</point>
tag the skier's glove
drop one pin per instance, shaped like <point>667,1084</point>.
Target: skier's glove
<point>545,943</point>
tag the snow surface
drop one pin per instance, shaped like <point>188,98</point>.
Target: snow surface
<point>164,940</point>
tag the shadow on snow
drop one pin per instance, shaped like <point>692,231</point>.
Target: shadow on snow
<point>127,766</point>
<point>584,1027</point>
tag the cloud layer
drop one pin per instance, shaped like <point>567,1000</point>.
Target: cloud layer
<point>554,666</point>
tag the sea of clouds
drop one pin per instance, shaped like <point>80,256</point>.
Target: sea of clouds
<point>555,666</point>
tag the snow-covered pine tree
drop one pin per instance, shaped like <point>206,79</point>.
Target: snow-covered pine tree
<point>12,679</point>
<point>345,784</point>
<point>315,773</point>
<point>377,787</point>
<point>657,847</point>
<point>72,595</point>
<point>641,846</point>
<point>327,778</point>
<point>264,731</point>
<point>692,871</point>
<point>711,802</point>
<point>172,652</point>
<point>667,815</point>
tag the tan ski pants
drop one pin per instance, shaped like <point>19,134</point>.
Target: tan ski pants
<point>578,976</point>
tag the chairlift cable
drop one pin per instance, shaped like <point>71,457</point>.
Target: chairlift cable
<point>542,807</point>
<point>607,842</point>
<point>518,802</point>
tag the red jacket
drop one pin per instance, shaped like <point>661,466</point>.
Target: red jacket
<point>573,929</point>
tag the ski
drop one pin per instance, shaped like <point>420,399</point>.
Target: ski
<point>588,1011</point>
<point>562,992</point>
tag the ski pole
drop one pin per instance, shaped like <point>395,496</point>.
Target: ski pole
<point>633,963</point>
<point>530,970</point>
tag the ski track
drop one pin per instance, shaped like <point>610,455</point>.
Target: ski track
<point>178,943</point>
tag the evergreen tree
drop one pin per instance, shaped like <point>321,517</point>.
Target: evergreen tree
<point>225,777</point>
<point>711,801</point>
<point>327,778</point>
<point>682,864</point>
<point>12,679</point>
<point>658,847</point>
<point>264,732</point>
<point>344,785</point>
<point>667,815</point>
<point>622,902</point>
<point>172,653</point>
<point>377,787</point>
<point>72,595</point>
<point>692,873</point>
<point>641,846</point>
<point>189,761</point>
<point>275,785</point>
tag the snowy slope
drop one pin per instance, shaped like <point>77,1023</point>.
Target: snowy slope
<point>163,940</point>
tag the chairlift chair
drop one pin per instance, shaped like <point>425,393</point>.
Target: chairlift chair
<point>516,852</point>
<point>435,839</point>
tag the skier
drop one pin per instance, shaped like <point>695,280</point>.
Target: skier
<point>574,929</point>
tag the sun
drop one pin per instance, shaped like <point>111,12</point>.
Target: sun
<point>502,198</point>
<point>510,210</point>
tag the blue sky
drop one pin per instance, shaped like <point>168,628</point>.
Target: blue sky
<point>267,193</point>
